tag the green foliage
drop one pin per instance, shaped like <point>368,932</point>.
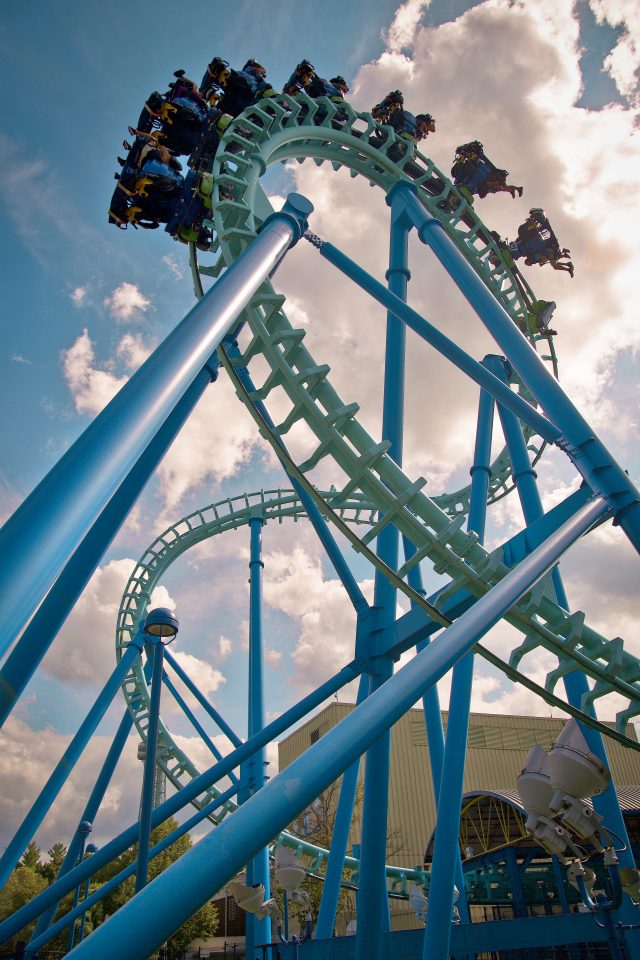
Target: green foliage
<point>23,885</point>
<point>201,925</point>
<point>31,857</point>
<point>56,855</point>
<point>32,876</point>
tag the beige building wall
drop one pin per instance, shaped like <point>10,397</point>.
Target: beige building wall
<point>496,750</point>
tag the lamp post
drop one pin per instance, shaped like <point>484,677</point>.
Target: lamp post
<point>160,628</point>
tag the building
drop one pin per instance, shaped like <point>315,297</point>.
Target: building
<point>492,817</point>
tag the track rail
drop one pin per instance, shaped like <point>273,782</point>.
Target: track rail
<point>377,492</point>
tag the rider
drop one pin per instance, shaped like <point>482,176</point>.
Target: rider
<point>232,91</point>
<point>537,243</point>
<point>473,173</point>
<point>259,74</point>
<point>301,77</point>
<point>539,311</point>
<point>406,125</point>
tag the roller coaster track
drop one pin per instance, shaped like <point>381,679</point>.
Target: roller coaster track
<point>377,492</point>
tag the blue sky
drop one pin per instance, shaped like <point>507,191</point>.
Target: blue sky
<point>82,302</point>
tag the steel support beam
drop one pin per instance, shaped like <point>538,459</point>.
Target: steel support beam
<point>41,536</point>
<point>446,846</point>
<point>162,906</point>
<point>579,441</point>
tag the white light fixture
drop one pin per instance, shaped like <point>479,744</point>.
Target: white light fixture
<point>289,871</point>
<point>630,878</point>
<point>248,898</point>
<point>575,870</point>
<point>534,783</point>
<point>418,902</point>
<point>551,836</point>
<point>574,770</point>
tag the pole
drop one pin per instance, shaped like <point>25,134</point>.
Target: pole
<point>446,852</point>
<point>372,897</point>
<point>43,628</point>
<point>339,841</point>
<point>43,533</point>
<point>149,918</point>
<point>257,931</point>
<point>150,759</point>
<point>579,441</point>
<point>67,762</point>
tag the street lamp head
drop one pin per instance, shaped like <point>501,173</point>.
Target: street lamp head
<point>162,623</point>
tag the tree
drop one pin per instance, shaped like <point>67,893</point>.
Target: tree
<point>31,857</point>
<point>316,824</point>
<point>23,885</point>
<point>201,925</point>
<point>51,868</point>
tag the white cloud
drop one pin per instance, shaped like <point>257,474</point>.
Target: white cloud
<point>407,18</point>
<point>624,60</point>
<point>27,759</point>
<point>127,302</point>
<point>91,388</point>
<point>84,651</point>
<point>78,296</point>
<point>296,585</point>
<point>133,351</point>
<point>18,358</point>
<point>174,265</point>
<point>207,678</point>
<point>225,646</point>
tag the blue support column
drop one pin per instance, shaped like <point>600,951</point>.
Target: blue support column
<point>435,735</point>
<point>202,700</point>
<point>67,762</point>
<point>372,898</point>
<point>84,830</point>
<point>258,932</point>
<point>146,921</point>
<point>148,780</point>
<point>91,899</point>
<point>190,792</point>
<point>575,683</point>
<point>43,628</point>
<point>446,846</point>
<point>339,841</point>
<point>579,441</point>
<point>90,811</point>
<point>41,536</point>
<point>459,357</point>
<point>559,879</point>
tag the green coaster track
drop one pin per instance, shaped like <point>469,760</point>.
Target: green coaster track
<point>377,491</point>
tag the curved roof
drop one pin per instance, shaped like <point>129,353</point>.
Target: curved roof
<point>490,819</point>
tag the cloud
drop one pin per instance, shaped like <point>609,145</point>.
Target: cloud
<point>84,650</point>
<point>91,388</point>
<point>624,60</point>
<point>18,358</point>
<point>27,759</point>
<point>402,31</point>
<point>127,302</point>
<point>133,351</point>
<point>176,266</point>
<point>225,646</point>
<point>297,586</point>
<point>78,296</point>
